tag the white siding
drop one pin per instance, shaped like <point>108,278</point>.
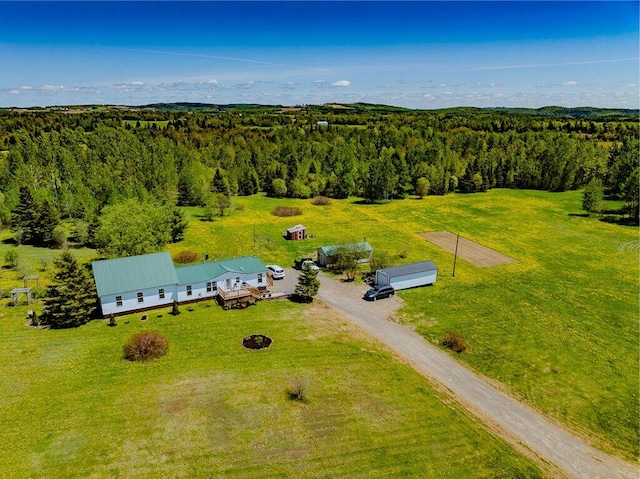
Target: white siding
<point>198,291</point>
<point>150,299</point>
<point>236,280</point>
<point>407,281</point>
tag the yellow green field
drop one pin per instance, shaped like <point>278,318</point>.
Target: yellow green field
<point>559,329</point>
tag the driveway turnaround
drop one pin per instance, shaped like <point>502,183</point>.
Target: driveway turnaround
<point>518,424</point>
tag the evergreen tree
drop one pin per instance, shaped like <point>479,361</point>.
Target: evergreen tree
<point>46,222</point>
<point>177,223</point>
<point>71,299</point>
<point>220,184</point>
<point>25,216</point>
<point>308,284</point>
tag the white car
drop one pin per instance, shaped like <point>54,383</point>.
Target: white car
<point>275,271</point>
<point>311,264</point>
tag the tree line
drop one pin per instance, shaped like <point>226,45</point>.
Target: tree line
<point>56,166</point>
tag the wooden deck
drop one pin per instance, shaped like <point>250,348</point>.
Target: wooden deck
<point>246,293</point>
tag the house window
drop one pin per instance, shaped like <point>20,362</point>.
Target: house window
<point>161,293</point>
<point>209,287</point>
<point>140,298</point>
<point>189,290</point>
<point>259,277</point>
<point>118,301</point>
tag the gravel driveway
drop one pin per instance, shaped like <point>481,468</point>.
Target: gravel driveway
<point>513,421</point>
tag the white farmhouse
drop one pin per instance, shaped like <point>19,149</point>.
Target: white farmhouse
<point>140,283</point>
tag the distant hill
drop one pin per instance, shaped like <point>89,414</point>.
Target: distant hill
<point>583,112</point>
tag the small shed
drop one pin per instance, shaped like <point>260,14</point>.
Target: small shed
<point>323,123</point>
<point>296,232</point>
<point>408,275</point>
<point>327,254</point>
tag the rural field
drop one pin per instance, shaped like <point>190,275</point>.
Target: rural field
<point>557,329</point>
<point>72,407</point>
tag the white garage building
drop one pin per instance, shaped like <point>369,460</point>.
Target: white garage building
<point>408,275</point>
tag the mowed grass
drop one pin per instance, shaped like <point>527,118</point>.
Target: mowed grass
<point>559,329</point>
<point>70,406</point>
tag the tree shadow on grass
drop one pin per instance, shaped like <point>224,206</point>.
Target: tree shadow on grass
<point>622,221</point>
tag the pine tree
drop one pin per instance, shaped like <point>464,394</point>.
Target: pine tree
<point>46,221</point>
<point>308,284</point>
<point>25,216</point>
<point>33,220</point>
<point>71,300</point>
<point>220,184</point>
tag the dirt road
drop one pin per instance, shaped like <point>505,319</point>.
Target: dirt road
<point>513,421</point>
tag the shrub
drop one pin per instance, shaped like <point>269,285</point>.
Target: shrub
<point>38,292</point>
<point>286,211</point>
<point>298,390</point>
<point>320,201</point>
<point>11,259</point>
<point>145,346</point>
<point>186,256</point>
<point>455,342</point>
<point>60,237</point>
<point>175,309</point>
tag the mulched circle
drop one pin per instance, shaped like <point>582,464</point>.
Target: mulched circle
<point>257,341</point>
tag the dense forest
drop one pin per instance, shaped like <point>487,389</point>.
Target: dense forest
<point>81,162</point>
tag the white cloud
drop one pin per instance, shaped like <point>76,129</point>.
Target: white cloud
<point>26,87</point>
<point>570,83</point>
<point>342,83</point>
<point>213,81</point>
<point>137,83</point>
<point>319,82</point>
<point>13,92</point>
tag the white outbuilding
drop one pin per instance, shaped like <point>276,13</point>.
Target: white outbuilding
<point>408,275</point>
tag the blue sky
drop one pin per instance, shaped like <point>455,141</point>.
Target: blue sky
<point>412,54</point>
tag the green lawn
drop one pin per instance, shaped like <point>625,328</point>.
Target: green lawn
<point>70,406</point>
<point>559,329</point>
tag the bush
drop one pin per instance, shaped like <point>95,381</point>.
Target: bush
<point>298,390</point>
<point>320,201</point>
<point>175,309</point>
<point>145,346</point>
<point>60,237</point>
<point>186,256</point>
<point>286,211</point>
<point>455,342</point>
<point>11,259</point>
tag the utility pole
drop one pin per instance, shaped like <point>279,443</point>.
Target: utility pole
<point>455,257</point>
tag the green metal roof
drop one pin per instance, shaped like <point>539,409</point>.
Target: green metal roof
<point>134,273</point>
<point>197,273</point>
<point>330,250</point>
